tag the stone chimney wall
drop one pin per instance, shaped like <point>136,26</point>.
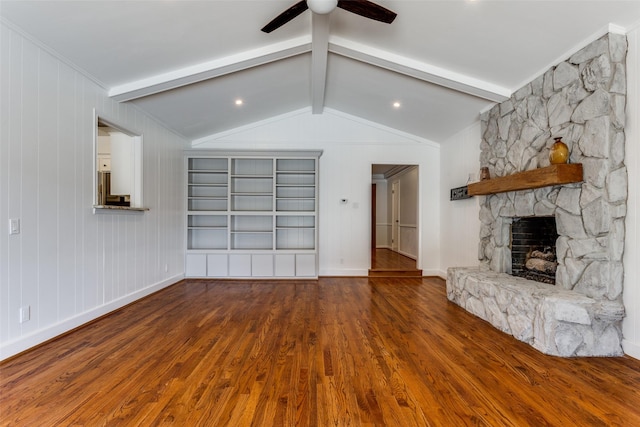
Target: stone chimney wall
<point>583,101</point>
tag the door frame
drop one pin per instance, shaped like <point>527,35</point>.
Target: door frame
<point>395,215</point>
<point>373,216</point>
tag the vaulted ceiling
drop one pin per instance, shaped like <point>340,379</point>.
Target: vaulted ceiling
<point>187,62</point>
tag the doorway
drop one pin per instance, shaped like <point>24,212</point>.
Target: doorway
<point>394,220</point>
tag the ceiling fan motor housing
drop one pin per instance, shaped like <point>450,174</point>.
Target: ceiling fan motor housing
<point>322,6</point>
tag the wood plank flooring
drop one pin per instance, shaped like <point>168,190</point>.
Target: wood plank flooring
<point>332,352</point>
<point>387,263</point>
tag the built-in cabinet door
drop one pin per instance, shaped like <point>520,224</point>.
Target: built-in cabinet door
<point>262,265</point>
<point>305,265</point>
<point>217,265</point>
<point>285,265</point>
<point>240,265</point>
<point>196,265</point>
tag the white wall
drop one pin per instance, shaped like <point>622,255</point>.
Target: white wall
<point>67,264</point>
<point>631,260</point>
<point>350,147</point>
<point>460,223</point>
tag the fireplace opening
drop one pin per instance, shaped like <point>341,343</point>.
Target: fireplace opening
<point>533,248</point>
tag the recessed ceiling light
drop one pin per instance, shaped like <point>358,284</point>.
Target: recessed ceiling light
<point>396,104</point>
<point>239,102</point>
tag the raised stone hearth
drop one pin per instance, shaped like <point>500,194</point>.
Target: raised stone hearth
<point>556,322</point>
<point>581,100</point>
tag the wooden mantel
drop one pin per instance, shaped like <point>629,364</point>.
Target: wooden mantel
<point>536,178</point>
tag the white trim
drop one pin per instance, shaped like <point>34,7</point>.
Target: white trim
<point>383,247</point>
<point>419,70</point>
<point>40,336</point>
<point>408,255</point>
<point>285,154</point>
<point>633,27</point>
<point>631,255</point>
<point>617,29</point>
<point>210,69</point>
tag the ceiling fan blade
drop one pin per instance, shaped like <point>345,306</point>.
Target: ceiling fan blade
<point>368,10</point>
<point>286,16</point>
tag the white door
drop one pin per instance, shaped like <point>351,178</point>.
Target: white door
<point>395,215</point>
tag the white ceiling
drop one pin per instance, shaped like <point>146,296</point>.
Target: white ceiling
<point>185,62</point>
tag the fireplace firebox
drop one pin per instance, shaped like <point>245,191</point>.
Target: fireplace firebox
<point>533,248</point>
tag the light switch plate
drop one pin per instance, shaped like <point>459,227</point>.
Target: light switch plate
<point>14,226</point>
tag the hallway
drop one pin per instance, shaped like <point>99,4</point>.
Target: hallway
<point>387,263</point>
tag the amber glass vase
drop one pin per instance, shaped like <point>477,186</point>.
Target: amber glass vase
<point>559,153</point>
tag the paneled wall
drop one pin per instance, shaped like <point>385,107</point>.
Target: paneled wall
<point>67,264</point>
<point>631,259</point>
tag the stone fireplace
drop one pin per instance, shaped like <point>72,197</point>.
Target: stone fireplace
<point>581,100</point>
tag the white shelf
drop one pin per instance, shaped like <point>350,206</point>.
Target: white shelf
<point>252,215</point>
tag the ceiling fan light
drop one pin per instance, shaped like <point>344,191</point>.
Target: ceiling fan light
<point>322,6</point>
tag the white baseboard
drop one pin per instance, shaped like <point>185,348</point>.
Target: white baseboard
<point>631,349</point>
<point>23,343</point>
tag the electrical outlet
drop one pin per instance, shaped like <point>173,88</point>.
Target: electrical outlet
<point>25,313</point>
<point>166,268</point>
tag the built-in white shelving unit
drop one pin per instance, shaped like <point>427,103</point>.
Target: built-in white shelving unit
<point>252,214</point>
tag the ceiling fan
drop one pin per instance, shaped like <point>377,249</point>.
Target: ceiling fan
<point>359,7</point>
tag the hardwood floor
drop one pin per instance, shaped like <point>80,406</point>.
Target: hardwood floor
<point>359,352</point>
<point>387,263</point>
